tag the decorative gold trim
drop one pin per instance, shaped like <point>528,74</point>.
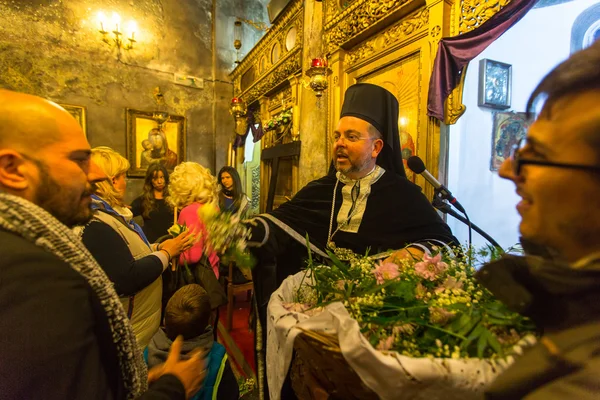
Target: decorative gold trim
<point>453,107</point>
<point>401,30</point>
<point>264,45</point>
<point>332,7</point>
<point>473,13</point>
<point>290,64</point>
<point>358,17</point>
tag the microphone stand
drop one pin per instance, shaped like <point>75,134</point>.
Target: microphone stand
<point>444,207</point>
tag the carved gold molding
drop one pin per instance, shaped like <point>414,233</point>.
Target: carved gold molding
<point>454,108</point>
<point>473,13</point>
<point>293,16</point>
<point>283,96</point>
<point>405,28</point>
<point>332,7</point>
<point>359,16</point>
<point>290,65</point>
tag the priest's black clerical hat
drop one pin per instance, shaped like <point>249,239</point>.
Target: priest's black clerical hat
<point>378,107</point>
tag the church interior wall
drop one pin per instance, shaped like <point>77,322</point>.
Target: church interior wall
<point>533,47</point>
<point>53,49</point>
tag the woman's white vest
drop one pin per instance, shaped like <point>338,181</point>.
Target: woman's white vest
<point>145,306</point>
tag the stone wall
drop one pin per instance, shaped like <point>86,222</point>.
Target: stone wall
<point>52,48</point>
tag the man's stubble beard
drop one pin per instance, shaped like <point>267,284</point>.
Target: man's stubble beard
<point>354,167</point>
<point>53,198</point>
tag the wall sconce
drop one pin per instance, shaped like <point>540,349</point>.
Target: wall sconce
<point>318,72</point>
<point>238,108</point>
<point>161,117</point>
<point>117,40</point>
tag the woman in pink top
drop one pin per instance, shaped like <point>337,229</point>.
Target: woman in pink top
<point>192,186</point>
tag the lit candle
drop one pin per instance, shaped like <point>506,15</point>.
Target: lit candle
<point>116,19</point>
<point>132,29</point>
<point>319,62</point>
<point>101,20</point>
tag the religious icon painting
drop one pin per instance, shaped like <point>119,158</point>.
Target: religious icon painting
<point>79,113</point>
<point>494,84</point>
<point>509,129</point>
<point>154,136</point>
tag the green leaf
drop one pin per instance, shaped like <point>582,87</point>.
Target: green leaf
<point>476,332</point>
<point>494,344</point>
<point>482,343</point>
<point>460,323</point>
<point>337,262</point>
<point>469,327</point>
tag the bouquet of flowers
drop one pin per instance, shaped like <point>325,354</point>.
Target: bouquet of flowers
<point>174,231</point>
<point>427,307</point>
<point>283,118</point>
<point>227,235</point>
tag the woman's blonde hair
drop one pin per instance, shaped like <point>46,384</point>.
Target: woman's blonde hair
<point>112,164</point>
<point>191,183</point>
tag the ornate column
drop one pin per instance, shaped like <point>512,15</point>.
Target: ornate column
<point>439,26</point>
<point>313,124</point>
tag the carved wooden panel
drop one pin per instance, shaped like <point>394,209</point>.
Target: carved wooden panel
<point>342,24</point>
<point>473,13</point>
<point>407,27</point>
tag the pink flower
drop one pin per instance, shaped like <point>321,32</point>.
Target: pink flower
<point>430,267</point>
<point>438,315</point>
<point>385,344</point>
<point>406,329</point>
<point>449,284</point>
<point>386,271</point>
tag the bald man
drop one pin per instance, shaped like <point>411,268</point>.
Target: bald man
<point>65,334</point>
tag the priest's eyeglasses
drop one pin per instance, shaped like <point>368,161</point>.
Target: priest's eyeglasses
<point>517,162</point>
<point>349,137</point>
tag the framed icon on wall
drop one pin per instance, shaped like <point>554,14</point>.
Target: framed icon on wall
<point>494,84</point>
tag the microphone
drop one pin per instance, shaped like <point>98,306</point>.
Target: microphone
<point>417,166</point>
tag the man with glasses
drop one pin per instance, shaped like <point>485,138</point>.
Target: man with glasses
<point>364,203</point>
<point>556,171</point>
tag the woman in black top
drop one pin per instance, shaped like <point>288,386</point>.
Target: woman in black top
<point>231,196</point>
<point>157,215</point>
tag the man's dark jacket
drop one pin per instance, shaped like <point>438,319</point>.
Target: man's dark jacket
<point>564,303</point>
<point>56,342</point>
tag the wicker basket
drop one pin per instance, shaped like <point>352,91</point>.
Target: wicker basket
<point>320,371</point>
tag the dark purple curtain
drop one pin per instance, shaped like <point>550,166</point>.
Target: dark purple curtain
<point>454,53</point>
<point>257,133</point>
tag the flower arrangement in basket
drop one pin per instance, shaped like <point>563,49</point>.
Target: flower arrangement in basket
<point>283,118</point>
<point>427,307</point>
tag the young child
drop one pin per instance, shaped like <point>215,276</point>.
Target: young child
<point>188,314</point>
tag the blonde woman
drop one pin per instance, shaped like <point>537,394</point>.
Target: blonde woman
<point>192,187</point>
<point>122,250</point>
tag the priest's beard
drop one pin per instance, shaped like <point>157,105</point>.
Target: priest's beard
<point>66,203</point>
<point>357,168</point>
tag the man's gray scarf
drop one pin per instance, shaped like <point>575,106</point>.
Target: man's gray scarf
<point>42,229</point>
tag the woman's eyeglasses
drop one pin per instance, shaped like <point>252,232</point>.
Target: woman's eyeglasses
<point>517,162</point>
